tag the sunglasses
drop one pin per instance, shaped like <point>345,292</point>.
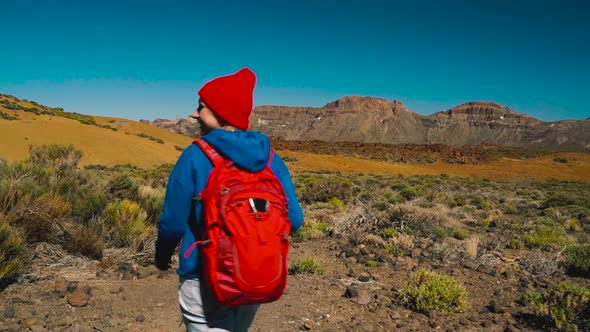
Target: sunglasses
<point>200,108</point>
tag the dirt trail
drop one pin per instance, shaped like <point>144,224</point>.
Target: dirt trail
<point>311,302</point>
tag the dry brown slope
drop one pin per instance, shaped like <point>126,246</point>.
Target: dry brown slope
<point>100,145</point>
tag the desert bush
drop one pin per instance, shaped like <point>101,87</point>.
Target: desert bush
<point>471,247</point>
<point>327,187</point>
<point>20,179</point>
<point>542,264</point>
<point>128,222</point>
<point>308,265</point>
<point>372,263</point>
<point>86,242</point>
<point>152,201</point>
<point>403,241</point>
<point>409,193</point>
<point>60,158</point>
<point>515,244</point>
<point>337,203</point>
<point>389,232</point>
<point>125,185</point>
<point>443,251</point>
<point>482,203</point>
<point>562,199</point>
<point>40,219</point>
<point>394,250</point>
<point>546,236</point>
<point>577,260</point>
<point>428,290</point>
<point>565,306</point>
<point>460,234</point>
<point>12,253</point>
<point>310,230</point>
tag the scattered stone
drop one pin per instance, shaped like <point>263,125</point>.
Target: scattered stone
<point>65,322</point>
<point>72,285</point>
<point>469,264</point>
<point>364,277</point>
<point>416,252</point>
<point>9,312</point>
<point>464,322</point>
<point>359,296</point>
<point>486,324</point>
<point>78,299</point>
<point>20,300</point>
<point>140,318</point>
<point>386,259</point>
<point>363,298</point>
<point>351,291</point>
<point>34,324</point>
<point>495,307</point>
<point>395,315</point>
<point>102,274</point>
<point>496,320</point>
<point>308,325</point>
<point>511,328</point>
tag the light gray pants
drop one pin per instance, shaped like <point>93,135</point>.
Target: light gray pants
<point>202,312</point>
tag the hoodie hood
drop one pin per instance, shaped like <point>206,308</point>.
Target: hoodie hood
<point>248,149</point>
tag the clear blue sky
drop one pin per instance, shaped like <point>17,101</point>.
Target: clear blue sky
<point>146,59</point>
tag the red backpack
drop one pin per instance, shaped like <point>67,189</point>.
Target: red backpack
<point>245,243</point>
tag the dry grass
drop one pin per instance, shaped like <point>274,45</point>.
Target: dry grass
<point>578,167</point>
<point>471,246</point>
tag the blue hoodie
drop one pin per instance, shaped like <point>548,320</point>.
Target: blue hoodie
<point>249,150</point>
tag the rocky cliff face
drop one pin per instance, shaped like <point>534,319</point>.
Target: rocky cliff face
<point>377,120</point>
<point>186,126</point>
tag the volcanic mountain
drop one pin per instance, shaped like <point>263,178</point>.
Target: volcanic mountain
<point>377,120</point>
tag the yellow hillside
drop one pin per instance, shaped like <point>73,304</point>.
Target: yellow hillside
<point>100,145</point>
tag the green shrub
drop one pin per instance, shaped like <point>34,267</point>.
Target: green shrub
<point>577,260</point>
<point>128,222</point>
<point>461,235</point>
<point>429,290</point>
<point>441,232</point>
<point>12,253</point>
<point>566,306</point>
<point>40,219</point>
<point>152,201</point>
<point>561,199</point>
<point>125,185</point>
<point>308,265</point>
<point>337,203</point>
<point>515,244</point>
<point>394,250</point>
<point>409,193</point>
<point>311,230</point>
<point>21,179</point>
<point>546,236</point>
<point>60,158</point>
<point>325,188</point>
<point>389,233</point>
<point>483,204</point>
<point>372,263</point>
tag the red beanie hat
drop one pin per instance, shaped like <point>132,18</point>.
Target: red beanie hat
<point>230,97</point>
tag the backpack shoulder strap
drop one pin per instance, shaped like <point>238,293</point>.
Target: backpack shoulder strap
<point>272,153</point>
<point>210,152</point>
